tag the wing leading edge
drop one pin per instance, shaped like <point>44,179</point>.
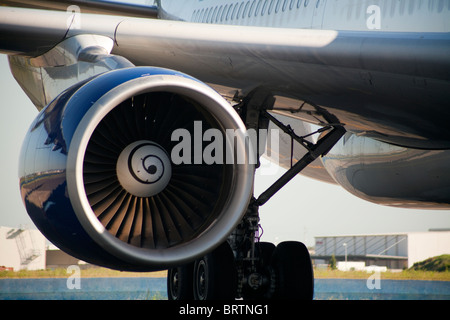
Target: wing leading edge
<point>88,6</point>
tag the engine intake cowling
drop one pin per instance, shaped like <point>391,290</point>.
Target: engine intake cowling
<point>97,179</point>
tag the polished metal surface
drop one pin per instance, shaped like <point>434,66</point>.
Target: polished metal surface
<point>72,61</point>
<point>391,175</point>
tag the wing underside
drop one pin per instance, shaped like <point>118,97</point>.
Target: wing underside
<point>358,76</point>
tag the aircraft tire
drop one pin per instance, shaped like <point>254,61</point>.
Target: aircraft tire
<point>215,275</point>
<point>179,283</point>
<point>293,271</point>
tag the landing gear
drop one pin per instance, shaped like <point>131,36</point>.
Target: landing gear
<point>282,272</point>
<point>244,267</point>
<point>266,271</point>
<point>212,277</point>
<point>289,275</point>
<point>259,283</point>
<point>293,271</point>
<point>179,283</point>
<point>215,275</point>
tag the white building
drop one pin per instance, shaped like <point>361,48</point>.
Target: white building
<point>22,249</point>
<point>396,250</point>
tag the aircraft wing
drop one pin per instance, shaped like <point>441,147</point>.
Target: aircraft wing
<point>88,6</point>
<point>314,67</point>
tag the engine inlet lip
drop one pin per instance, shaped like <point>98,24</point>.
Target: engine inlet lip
<point>214,234</point>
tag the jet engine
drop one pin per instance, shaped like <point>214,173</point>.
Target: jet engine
<point>98,178</point>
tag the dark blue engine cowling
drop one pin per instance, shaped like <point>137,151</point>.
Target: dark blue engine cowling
<point>69,164</point>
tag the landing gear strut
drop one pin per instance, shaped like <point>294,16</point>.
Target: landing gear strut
<point>244,267</point>
<point>269,272</point>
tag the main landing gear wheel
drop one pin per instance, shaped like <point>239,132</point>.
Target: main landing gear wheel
<point>179,283</point>
<point>215,275</point>
<point>212,277</point>
<point>293,271</point>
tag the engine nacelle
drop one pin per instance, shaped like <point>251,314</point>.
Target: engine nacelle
<point>391,175</point>
<point>97,176</point>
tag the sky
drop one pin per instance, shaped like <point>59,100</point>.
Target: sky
<point>303,209</point>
